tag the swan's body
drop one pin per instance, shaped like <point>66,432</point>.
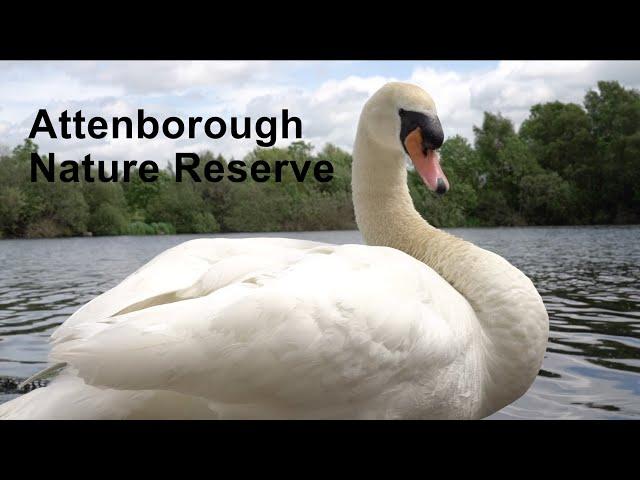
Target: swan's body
<point>272,328</point>
<point>434,327</point>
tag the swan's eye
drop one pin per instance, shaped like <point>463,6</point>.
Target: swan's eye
<point>429,125</point>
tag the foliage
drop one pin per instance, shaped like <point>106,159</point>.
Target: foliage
<point>142,228</point>
<point>107,219</point>
<point>567,164</point>
<point>545,198</point>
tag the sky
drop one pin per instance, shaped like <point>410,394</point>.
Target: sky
<point>326,96</point>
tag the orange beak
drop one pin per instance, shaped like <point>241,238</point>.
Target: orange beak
<point>426,164</point>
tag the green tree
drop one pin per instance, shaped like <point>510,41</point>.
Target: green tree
<point>341,162</point>
<point>615,118</point>
<point>546,199</point>
<point>12,204</point>
<point>138,193</point>
<point>614,111</point>
<point>559,136</point>
<point>41,208</point>
<point>505,160</point>
<point>108,219</point>
<point>178,204</point>
<point>56,209</point>
<point>216,196</point>
<point>491,137</point>
<point>23,152</point>
<point>107,208</point>
<point>462,167</point>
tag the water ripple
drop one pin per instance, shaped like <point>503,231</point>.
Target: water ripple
<point>589,279</point>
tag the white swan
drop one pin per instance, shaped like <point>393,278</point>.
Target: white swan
<point>433,327</point>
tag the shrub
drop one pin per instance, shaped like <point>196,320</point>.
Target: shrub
<point>107,219</point>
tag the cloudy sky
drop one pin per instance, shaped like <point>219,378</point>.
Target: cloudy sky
<point>327,96</point>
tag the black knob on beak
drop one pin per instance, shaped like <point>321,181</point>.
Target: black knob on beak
<point>430,127</point>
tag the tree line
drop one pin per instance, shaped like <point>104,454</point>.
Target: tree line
<point>567,164</point>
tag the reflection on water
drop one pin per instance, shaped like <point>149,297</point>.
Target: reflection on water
<point>589,278</point>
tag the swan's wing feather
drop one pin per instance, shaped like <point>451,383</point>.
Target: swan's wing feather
<point>179,268</point>
<point>332,326</point>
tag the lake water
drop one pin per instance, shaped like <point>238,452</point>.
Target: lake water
<point>589,278</point>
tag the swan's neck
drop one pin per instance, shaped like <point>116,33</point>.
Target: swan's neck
<point>513,319</point>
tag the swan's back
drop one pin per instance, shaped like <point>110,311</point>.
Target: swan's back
<point>267,327</point>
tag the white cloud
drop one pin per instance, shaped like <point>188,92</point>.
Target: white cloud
<point>451,92</point>
<point>328,103</point>
<point>329,113</point>
<point>161,76</point>
<point>512,87</point>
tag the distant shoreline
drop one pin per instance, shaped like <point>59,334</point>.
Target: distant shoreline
<point>285,232</point>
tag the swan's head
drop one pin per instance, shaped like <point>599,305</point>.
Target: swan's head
<point>403,117</point>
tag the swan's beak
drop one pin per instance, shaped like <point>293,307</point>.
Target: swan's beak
<point>426,162</point>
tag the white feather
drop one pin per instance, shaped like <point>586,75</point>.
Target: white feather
<point>308,329</point>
